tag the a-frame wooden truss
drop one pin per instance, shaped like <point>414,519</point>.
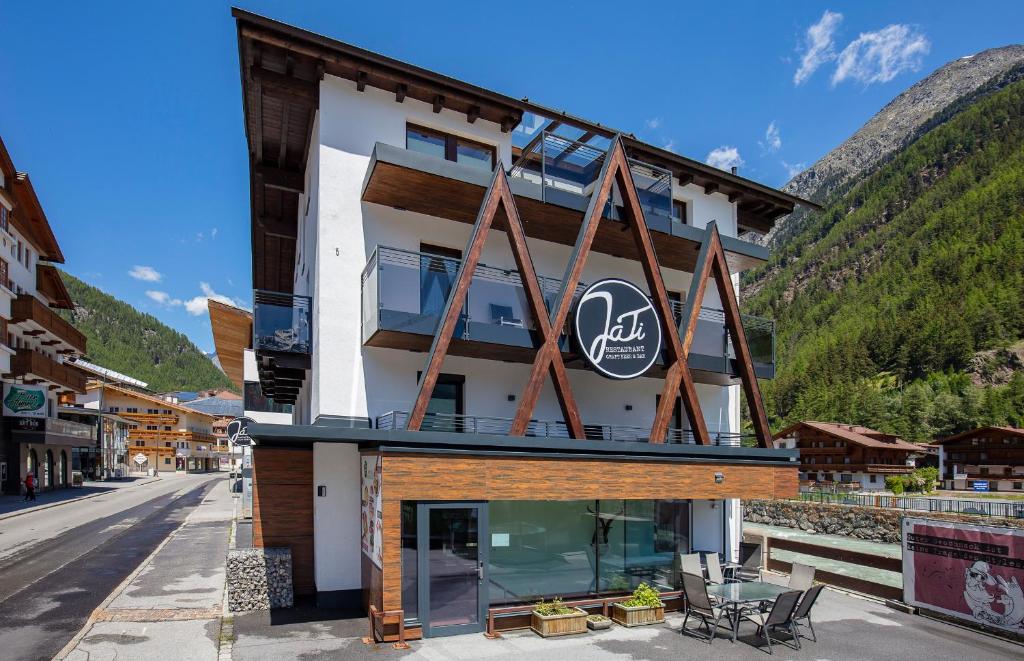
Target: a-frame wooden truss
<point>711,261</point>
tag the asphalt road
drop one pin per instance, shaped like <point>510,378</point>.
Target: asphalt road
<point>58,565</point>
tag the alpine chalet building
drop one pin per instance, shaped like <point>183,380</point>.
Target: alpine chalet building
<point>510,335</point>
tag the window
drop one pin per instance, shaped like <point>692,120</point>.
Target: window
<point>140,444</point>
<point>114,409</point>
<point>132,409</point>
<point>167,461</point>
<point>873,479</point>
<point>444,411</point>
<point>3,218</point>
<point>167,428</point>
<point>4,274</point>
<point>151,411</point>
<point>449,147</point>
<point>167,411</point>
<point>679,208</point>
<point>167,444</point>
<point>151,427</point>
<point>19,250</point>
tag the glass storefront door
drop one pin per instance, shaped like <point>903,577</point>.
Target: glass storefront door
<point>452,564</point>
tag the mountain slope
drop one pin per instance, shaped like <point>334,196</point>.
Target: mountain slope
<point>884,298</point>
<point>892,128</point>
<point>125,340</point>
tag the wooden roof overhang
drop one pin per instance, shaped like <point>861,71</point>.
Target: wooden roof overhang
<point>232,335</point>
<point>49,282</point>
<point>416,182</point>
<point>31,222</point>
<point>281,67</point>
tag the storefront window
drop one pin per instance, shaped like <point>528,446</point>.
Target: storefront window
<point>576,548</point>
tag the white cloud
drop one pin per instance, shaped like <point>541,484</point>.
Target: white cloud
<point>653,122</point>
<point>196,306</point>
<point>163,298</point>
<point>818,46</point>
<point>145,273</point>
<point>213,233</point>
<point>724,158</point>
<point>772,140</point>
<point>669,146</point>
<point>793,169</point>
<point>878,57</point>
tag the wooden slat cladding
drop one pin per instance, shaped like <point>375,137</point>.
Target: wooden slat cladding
<point>449,478</point>
<point>282,502</point>
<point>425,477</point>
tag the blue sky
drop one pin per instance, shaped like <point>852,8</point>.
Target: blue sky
<point>128,115</point>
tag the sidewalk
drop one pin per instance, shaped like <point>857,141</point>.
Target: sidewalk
<point>172,607</point>
<point>16,505</point>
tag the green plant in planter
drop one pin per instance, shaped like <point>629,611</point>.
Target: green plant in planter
<point>597,618</point>
<point>554,607</point>
<point>644,595</point>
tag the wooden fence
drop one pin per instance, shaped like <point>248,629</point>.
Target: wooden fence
<point>873,588</point>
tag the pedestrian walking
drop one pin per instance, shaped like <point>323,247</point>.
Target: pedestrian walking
<point>30,487</point>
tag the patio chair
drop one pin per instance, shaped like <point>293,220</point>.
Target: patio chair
<point>715,575</point>
<point>803,611</point>
<point>750,562</point>
<point>781,616</point>
<point>801,577</point>
<point>689,563</point>
<point>698,604</point>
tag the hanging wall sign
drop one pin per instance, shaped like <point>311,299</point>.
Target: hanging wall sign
<point>24,400</point>
<point>618,331</point>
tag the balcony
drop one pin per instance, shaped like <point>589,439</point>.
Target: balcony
<point>471,424</point>
<point>282,341</point>
<point>152,418</point>
<point>551,182</point>
<point>32,365</point>
<point>176,435</point>
<point>48,326</point>
<point>71,428</point>
<point>404,294</point>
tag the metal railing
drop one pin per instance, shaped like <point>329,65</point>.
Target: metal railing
<point>562,165</point>
<point>280,322</point>
<point>71,428</point>
<point>994,508</point>
<point>418,284</point>
<point>473,424</point>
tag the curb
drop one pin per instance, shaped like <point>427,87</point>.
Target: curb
<point>11,515</point>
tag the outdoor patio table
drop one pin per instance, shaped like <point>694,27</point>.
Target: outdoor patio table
<point>737,595</point>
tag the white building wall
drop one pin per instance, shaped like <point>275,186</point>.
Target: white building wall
<point>351,380</point>
<point>336,516</point>
<point>707,523</point>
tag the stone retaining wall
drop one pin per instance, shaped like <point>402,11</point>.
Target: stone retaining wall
<point>259,579</point>
<point>877,524</point>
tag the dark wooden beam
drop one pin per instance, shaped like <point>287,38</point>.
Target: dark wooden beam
<point>400,91</point>
<point>361,81</point>
<point>685,178</point>
<point>710,187</point>
<point>438,102</point>
<point>509,123</point>
<point>50,343</point>
<point>281,85</point>
<point>279,227</point>
<point>736,196</point>
<point>32,333</point>
<point>472,114</point>
<point>280,179</point>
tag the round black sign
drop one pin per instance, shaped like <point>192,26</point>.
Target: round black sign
<point>618,331</point>
<point>237,430</point>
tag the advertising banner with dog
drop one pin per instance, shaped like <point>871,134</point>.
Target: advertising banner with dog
<point>970,572</point>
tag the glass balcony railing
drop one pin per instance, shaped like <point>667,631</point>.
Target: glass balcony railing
<point>567,172</point>
<point>474,424</point>
<point>406,291</point>
<point>281,322</point>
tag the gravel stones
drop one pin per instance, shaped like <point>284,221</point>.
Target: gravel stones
<point>259,579</point>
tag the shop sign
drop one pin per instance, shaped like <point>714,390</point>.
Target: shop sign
<point>980,485</point>
<point>969,572</point>
<point>28,424</point>
<point>237,431</point>
<point>617,328</point>
<point>24,400</point>
<point>372,519</point>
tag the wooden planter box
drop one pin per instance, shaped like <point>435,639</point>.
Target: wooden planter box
<point>559,625</point>
<point>636,616</point>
